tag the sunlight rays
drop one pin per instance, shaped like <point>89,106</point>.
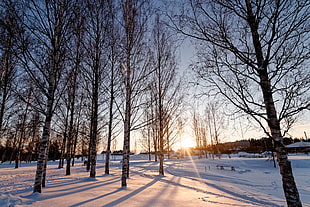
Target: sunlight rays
<point>192,161</point>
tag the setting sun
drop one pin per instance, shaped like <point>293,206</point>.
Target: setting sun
<point>187,142</point>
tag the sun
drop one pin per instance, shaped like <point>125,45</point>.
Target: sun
<point>187,143</point>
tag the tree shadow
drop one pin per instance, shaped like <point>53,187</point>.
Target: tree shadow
<point>231,194</point>
<point>88,184</point>
<point>164,191</point>
<point>128,196</point>
<point>122,199</point>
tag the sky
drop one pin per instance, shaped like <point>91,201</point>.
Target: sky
<point>235,129</point>
<point>187,55</point>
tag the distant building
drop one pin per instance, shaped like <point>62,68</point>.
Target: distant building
<point>298,147</point>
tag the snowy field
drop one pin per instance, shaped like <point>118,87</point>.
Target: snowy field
<point>187,182</point>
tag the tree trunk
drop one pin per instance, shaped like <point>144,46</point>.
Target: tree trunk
<point>155,147</point>
<point>22,132</point>
<point>2,108</point>
<point>149,142</point>
<point>72,94</point>
<point>64,141</point>
<point>74,145</point>
<point>44,143</point>
<point>45,167</point>
<point>288,182</point>
<point>76,134</point>
<point>161,117</point>
<point>94,115</point>
<point>129,16</point>
<point>6,68</point>
<point>88,156</point>
<point>93,137</point>
<point>19,143</point>
<point>126,147</point>
<point>108,151</point>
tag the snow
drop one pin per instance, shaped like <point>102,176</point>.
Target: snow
<point>299,144</point>
<point>187,182</point>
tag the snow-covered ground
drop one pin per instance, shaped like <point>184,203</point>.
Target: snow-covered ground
<point>187,182</point>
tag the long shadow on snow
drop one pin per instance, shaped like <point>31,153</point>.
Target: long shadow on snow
<point>65,181</point>
<point>122,199</point>
<point>163,192</point>
<point>180,172</point>
<point>89,184</point>
<point>88,181</point>
<point>235,195</point>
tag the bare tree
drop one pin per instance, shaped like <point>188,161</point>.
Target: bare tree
<point>22,127</point>
<point>255,55</point>
<point>200,128</point>
<point>33,145</point>
<point>63,117</point>
<point>145,141</point>
<point>135,16</point>
<point>215,120</point>
<point>166,87</point>
<point>96,62</point>
<point>47,24</point>
<point>113,75</point>
<point>149,132</point>
<point>11,30</point>
<point>73,75</point>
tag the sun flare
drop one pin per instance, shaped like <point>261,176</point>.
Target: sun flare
<point>187,142</point>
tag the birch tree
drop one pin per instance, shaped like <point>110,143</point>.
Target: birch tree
<point>73,75</point>
<point>255,54</point>
<point>114,77</point>
<point>166,87</point>
<point>96,61</point>
<point>134,19</point>
<point>47,24</point>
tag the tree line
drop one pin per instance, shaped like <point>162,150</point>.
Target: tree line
<point>249,145</point>
<point>76,74</point>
